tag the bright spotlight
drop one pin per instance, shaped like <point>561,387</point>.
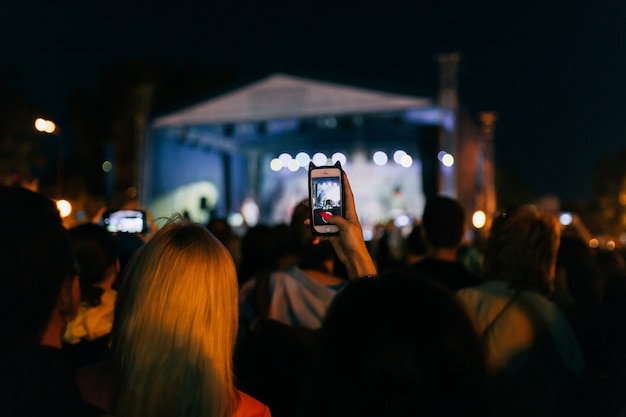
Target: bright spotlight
<point>293,165</point>
<point>447,160</point>
<point>50,127</point>
<point>479,219</point>
<point>303,159</point>
<point>338,156</point>
<point>406,161</point>
<point>276,165</point>
<point>65,208</point>
<point>398,155</point>
<point>40,124</point>
<point>320,159</point>
<point>566,218</point>
<point>380,158</point>
<point>284,159</point>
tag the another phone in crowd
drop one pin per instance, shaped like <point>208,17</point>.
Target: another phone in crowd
<point>325,197</point>
<point>125,221</point>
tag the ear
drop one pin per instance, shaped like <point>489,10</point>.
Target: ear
<point>69,298</point>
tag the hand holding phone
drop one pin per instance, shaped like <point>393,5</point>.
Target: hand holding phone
<point>348,241</point>
<point>325,197</point>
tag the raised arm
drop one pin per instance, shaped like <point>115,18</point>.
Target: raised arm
<point>349,244</point>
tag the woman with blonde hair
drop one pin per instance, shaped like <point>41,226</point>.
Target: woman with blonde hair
<point>174,332</point>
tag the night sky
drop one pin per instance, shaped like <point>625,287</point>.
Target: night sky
<point>555,74</point>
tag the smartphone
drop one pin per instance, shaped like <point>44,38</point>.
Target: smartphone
<point>325,197</point>
<point>125,221</point>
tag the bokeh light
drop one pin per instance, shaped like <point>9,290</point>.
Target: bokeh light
<point>293,165</point>
<point>235,219</point>
<point>406,161</point>
<point>338,156</point>
<point>284,159</point>
<point>65,208</point>
<point>320,159</point>
<point>447,160</point>
<point>398,155</point>
<point>276,165</point>
<point>107,166</point>
<point>479,219</point>
<point>380,158</point>
<point>566,218</point>
<point>303,159</point>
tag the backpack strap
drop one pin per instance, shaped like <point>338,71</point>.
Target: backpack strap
<point>490,326</point>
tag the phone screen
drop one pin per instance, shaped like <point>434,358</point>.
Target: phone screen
<point>326,198</point>
<point>125,221</point>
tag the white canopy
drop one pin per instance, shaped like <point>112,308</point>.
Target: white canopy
<point>282,96</point>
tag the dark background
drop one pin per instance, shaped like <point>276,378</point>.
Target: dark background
<point>554,73</point>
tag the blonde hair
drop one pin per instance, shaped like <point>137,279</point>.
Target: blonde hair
<point>175,327</point>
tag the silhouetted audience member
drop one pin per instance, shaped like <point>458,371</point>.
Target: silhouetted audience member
<point>300,294</point>
<point>86,338</point>
<point>531,348</point>
<point>613,269</point>
<point>174,332</point>
<point>39,295</point>
<point>414,246</point>
<point>291,305</point>
<point>397,346</point>
<point>263,248</point>
<point>443,227</point>
<point>579,287</point>
<point>223,231</point>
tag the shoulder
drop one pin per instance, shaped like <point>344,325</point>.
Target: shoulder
<point>251,407</point>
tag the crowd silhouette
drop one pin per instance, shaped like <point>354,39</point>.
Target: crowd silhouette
<point>198,320</point>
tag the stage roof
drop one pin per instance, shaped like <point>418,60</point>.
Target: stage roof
<point>283,96</point>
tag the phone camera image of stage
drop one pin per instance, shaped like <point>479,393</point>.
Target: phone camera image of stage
<point>327,199</point>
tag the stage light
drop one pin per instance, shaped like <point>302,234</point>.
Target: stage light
<point>107,166</point>
<point>398,155</point>
<point>338,156</point>
<point>380,158</point>
<point>610,245</point>
<point>284,159</point>
<point>441,154</point>
<point>593,243</point>
<point>447,160</point>
<point>303,159</point>
<point>406,161</point>
<point>276,165</point>
<point>320,159</point>
<point>293,165</point>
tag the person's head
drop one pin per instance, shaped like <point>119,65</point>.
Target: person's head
<point>398,345</point>
<point>443,222</point>
<point>313,252</point>
<point>38,281</point>
<point>94,251</point>
<point>414,246</point>
<point>175,325</point>
<point>521,249</point>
